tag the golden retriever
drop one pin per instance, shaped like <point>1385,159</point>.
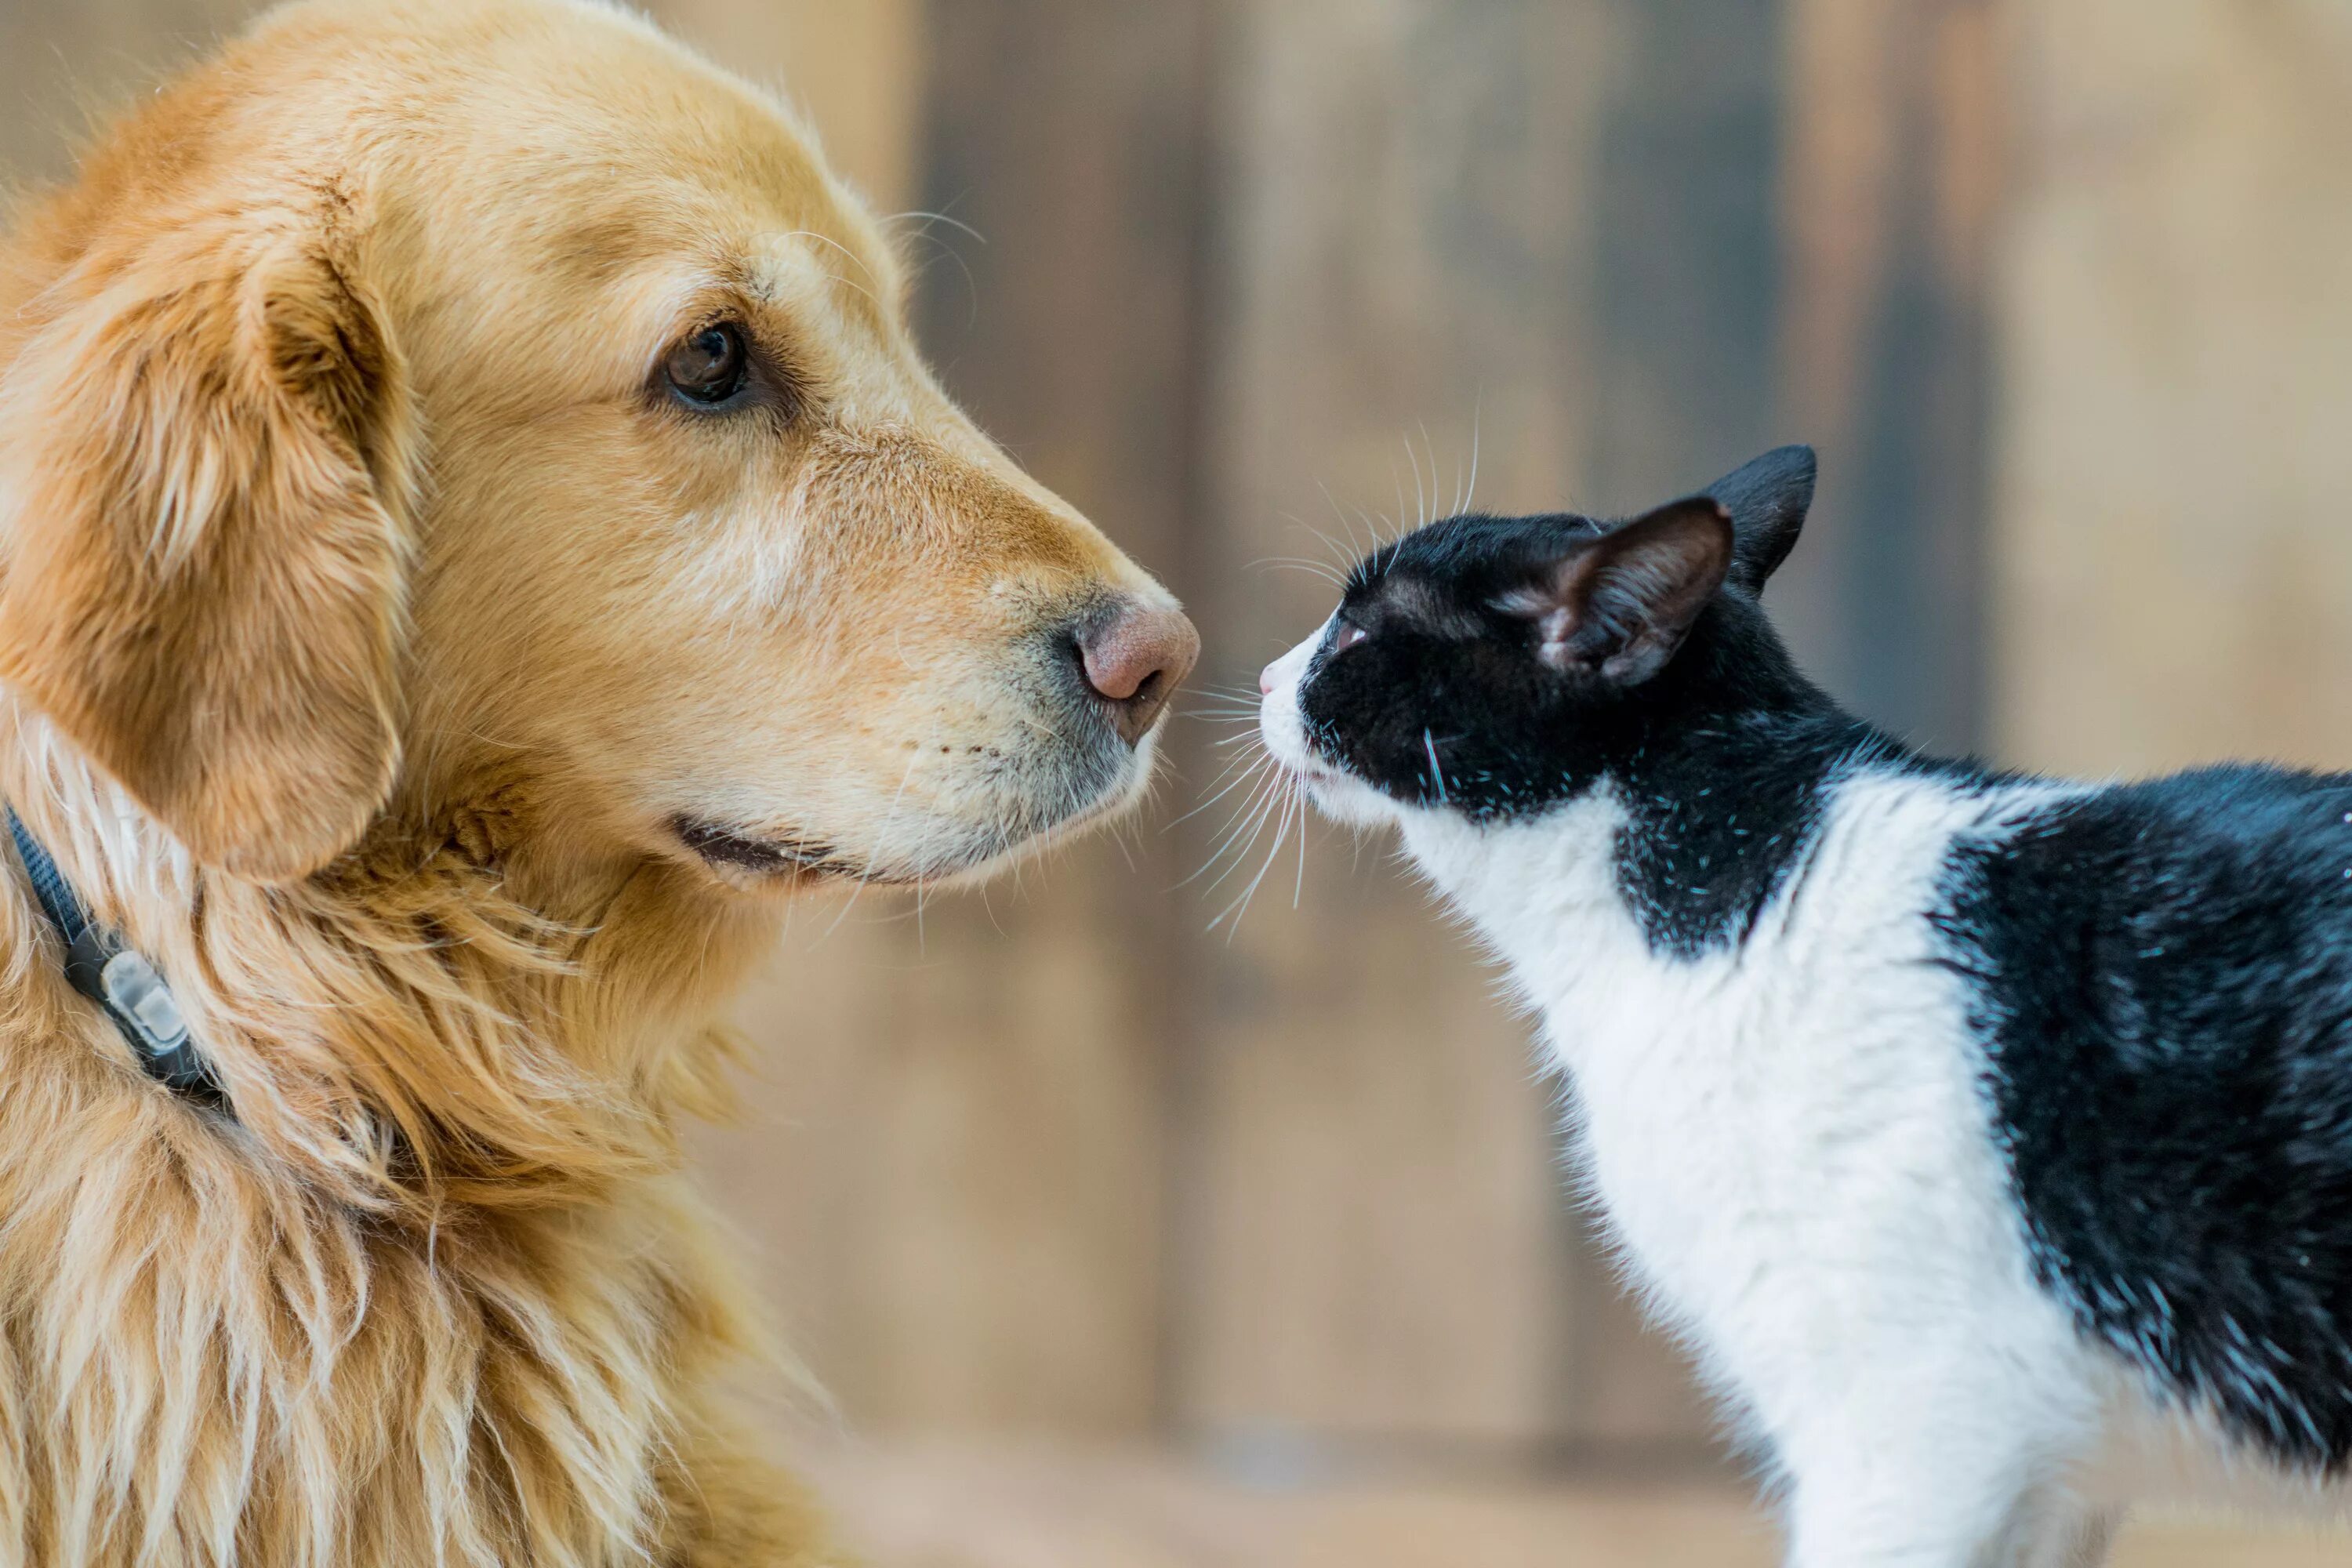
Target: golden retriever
<point>476,539</point>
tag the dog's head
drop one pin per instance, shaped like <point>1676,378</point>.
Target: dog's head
<point>489,404</point>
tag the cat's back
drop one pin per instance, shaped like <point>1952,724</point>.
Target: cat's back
<point>2161,976</point>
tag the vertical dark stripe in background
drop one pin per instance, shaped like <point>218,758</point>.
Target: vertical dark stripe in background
<point>1890,180</point>
<point>1686,276</point>
<point>1912,577</point>
<point>1067,134</point>
<point>1720,331</point>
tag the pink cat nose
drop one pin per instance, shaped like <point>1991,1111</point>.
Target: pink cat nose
<point>1266,681</point>
<point>1134,662</point>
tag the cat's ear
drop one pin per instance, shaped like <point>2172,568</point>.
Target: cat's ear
<point>1767,498</point>
<point>1618,606</point>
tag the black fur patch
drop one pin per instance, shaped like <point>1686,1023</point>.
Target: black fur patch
<point>2161,973</point>
<point>2165,978</point>
<point>1721,759</point>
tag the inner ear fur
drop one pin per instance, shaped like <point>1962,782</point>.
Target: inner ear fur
<point>1619,605</point>
<point>200,467</point>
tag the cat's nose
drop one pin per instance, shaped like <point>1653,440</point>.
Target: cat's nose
<point>1134,661</point>
<point>1266,680</point>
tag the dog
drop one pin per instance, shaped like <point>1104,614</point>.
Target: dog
<point>477,540</point>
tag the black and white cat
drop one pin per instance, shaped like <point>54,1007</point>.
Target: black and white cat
<point>1989,1138</point>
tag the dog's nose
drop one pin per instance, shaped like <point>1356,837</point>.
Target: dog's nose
<point>1134,660</point>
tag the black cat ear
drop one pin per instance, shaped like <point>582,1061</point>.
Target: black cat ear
<point>1767,498</point>
<point>1619,605</point>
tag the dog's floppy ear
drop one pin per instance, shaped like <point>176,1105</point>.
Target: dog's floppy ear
<point>201,462</point>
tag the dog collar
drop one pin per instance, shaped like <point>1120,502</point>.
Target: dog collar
<point>102,967</point>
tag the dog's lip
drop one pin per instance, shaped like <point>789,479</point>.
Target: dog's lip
<point>742,849</point>
<point>747,856</point>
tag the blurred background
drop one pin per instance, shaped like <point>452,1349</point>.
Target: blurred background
<point>1123,1234</point>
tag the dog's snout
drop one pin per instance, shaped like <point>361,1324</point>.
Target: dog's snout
<point>1134,660</point>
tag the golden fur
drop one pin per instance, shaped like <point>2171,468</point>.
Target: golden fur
<point>370,626</point>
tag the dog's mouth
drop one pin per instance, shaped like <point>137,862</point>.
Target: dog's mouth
<point>750,857</point>
<point>755,855</point>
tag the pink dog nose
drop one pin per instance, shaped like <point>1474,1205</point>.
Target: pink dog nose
<point>1134,662</point>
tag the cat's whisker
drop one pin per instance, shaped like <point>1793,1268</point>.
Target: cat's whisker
<point>1420,499</point>
<point>1431,448</point>
<point>1249,771</point>
<point>1291,804</point>
<point>1298,888</point>
<point>1241,830</point>
<point>1297,564</point>
<point>1471,497</point>
<point>1269,795</point>
<point>1353,549</point>
<point>1340,553</point>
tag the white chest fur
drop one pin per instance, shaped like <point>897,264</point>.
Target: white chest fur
<point>1790,1134</point>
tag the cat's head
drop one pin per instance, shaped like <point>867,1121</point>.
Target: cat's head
<point>1494,667</point>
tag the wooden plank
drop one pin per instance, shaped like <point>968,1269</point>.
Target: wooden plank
<point>855,72</point>
<point>1404,257</point>
<point>800,1174</point>
<point>1027,1505</point>
<point>2175,573</point>
<point>66,64</point>
<point>961,1186</point>
<point>1892,178</point>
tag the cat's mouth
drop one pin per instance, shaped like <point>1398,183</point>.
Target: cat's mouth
<point>1331,789</point>
<point>1314,773</point>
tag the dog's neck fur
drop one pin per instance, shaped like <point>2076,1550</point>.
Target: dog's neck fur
<point>405,1027</point>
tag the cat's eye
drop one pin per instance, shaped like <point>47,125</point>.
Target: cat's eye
<point>708,368</point>
<point>1348,635</point>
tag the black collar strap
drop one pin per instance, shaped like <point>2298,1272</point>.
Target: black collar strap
<point>100,966</point>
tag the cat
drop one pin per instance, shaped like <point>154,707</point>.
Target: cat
<point>1988,1139</point>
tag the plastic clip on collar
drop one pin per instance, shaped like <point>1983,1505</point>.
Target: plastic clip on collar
<point>117,978</point>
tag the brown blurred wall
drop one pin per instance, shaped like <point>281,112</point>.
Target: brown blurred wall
<point>2058,286</point>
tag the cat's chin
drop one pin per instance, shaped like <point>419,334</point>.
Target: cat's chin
<point>1347,800</point>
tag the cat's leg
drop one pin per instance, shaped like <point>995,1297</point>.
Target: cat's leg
<point>1936,1522</point>
<point>1901,1505</point>
<point>1936,1473</point>
<point>2087,1543</point>
<point>2057,1529</point>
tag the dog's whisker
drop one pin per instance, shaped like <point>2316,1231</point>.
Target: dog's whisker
<point>954,223</point>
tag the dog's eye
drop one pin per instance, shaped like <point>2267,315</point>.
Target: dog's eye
<point>710,367</point>
<point>1347,636</point>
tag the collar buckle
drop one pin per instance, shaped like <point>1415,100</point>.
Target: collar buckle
<point>122,980</point>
